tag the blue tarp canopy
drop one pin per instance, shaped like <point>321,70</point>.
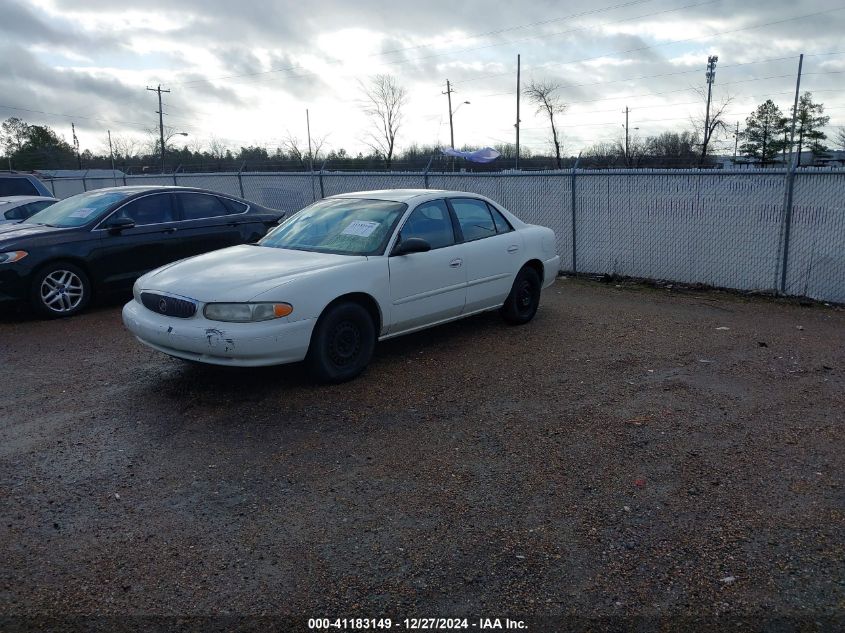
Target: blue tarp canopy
<point>485,155</point>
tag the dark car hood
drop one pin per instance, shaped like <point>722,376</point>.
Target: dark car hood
<point>15,232</point>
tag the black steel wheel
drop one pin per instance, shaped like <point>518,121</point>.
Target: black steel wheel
<point>342,343</point>
<point>524,298</point>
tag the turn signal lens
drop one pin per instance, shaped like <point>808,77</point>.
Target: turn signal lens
<point>282,309</point>
<point>12,256</point>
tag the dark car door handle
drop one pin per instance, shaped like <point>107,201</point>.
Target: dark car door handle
<point>170,229</point>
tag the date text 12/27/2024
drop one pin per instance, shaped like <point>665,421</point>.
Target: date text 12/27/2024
<point>416,624</point>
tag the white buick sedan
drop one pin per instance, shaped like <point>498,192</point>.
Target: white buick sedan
<point>349,270</point>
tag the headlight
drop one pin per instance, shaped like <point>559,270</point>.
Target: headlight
<point>12,256</point>
<point>246,312</point>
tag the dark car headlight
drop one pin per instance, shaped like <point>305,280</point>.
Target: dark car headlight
<point>12,256</point>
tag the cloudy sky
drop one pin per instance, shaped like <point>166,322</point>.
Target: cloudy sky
<point>245,71</point>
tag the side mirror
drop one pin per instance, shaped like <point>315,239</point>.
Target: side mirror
<point>411,245</point>
<point>117,225</point>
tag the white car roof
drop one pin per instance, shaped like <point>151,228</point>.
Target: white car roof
<point>23,199</point>
<point>404,195</point>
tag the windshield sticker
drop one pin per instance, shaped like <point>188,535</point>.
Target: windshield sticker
<point>81,213</point>
<point>361,228</point>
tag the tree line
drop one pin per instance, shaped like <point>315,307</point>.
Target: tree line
<point>765,139</point>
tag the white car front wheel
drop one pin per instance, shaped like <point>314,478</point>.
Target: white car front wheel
<point>342,344</point>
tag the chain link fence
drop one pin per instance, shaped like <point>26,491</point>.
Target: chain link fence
<point>765,230</point>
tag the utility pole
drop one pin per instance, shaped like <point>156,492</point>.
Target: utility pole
<point>76,145</point>
<point>160,113</point>
<point>308,127</point>
<point>627,158</point>
<point>448,94</point>
<point>111,153</point>
<point>736,140</point>
<point>310,155</point>
<point>516,161</point>
<point>711,76</point>
<point>792,157</point>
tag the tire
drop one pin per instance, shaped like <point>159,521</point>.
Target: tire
<point>524,298</point>
<point>60,289</point>
<point>342,343</point>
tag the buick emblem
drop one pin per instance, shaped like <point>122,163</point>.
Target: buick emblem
<point>162,306</point>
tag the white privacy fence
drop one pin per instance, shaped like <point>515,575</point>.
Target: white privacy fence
<point>749,230</point>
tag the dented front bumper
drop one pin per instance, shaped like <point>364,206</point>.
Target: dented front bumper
<point>238,344</point>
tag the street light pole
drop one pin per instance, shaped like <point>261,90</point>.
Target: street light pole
<point>164,143</point>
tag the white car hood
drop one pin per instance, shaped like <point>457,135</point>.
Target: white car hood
<point>238,273</point>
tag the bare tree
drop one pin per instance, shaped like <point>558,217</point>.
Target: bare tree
<point>602,154</point>
<point>840,138</point>
<point>217,147</point>
<point>544,95</point>
<point>710,128</point>
<point>299,152</point>
<point>385,99</point>
<point>123,146</point>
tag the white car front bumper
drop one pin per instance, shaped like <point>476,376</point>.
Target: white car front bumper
<point>238,344</point>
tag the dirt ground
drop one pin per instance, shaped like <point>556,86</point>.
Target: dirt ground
<point>631,453</point>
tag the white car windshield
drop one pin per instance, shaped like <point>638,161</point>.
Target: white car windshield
<point>78,210</point>
<point>345,226</point>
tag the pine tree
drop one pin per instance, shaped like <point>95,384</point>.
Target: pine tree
<point>764,132</point>
<point>808,124</point>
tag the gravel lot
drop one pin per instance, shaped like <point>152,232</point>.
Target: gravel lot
<point>633,452</point>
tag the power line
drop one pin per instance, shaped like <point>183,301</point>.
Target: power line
<point>455,52</point>
<point>692,39</point>
<point>76,116</point>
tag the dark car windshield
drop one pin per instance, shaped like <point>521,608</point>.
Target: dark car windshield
<point>78,210</point>
<point>345,226</point>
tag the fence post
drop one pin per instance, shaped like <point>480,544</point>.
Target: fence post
<point>124,177</point>
<point>787,224</point>
<point>53,186</point>
<point>574,231</point>
<point>240,179</point>
<point>322,191</point>
<point>427,168</point>
<point>85,184</point>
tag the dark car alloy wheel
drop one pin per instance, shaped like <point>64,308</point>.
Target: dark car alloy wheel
<point>59,290</point>
<point>62,291</point>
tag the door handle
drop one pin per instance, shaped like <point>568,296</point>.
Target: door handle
<point>456,263</point>
<point>513,248</point>
<point>171,229</point>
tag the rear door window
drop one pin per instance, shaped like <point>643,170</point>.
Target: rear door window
<point>199,206</point>
<point>234,206</point>
<point>502,225</point>
<point>474,218</point>
<point>17,187</point>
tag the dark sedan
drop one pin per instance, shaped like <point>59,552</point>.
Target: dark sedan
<point>99,242</point>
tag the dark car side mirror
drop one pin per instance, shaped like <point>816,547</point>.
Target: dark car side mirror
<point>411,245</point>
<point>117,225</point>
